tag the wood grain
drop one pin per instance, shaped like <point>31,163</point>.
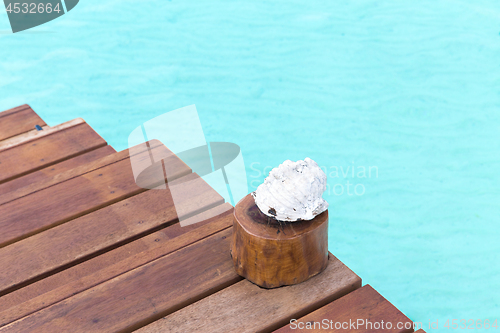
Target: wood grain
<point>53,175</point>
<point>75,197</point>
<point>245,307</point>
<point>142,295</point>
<point>38,154</point>
<point>49,176</point>
<point>363,304</point>
<point>17,121</point>
<point>47,252</point>
<point>108,265</point>
<point>14,110</point>
<point>273,254</point>
<point>34,134</point>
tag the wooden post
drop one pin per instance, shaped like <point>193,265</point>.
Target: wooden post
<point>272,253</point>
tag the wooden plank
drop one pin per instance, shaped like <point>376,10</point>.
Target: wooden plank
<point>142,295</point>
<point>34,134</point>
<point>50,251</point>
<point>48,150</point>
<point>18,120</point>
<point>29,184</point>
<point>59,177</point>
<point>363,310</point>
<point>245,307</point>
<point>49,176</point>
<point>104,267</point>
<point>78,196</point>
<point>14,110</point>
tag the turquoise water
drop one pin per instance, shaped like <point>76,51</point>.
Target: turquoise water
<point>410,89</point>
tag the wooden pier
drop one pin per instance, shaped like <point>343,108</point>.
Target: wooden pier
<point>84,249</point>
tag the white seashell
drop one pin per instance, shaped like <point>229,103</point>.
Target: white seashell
<point>293,191</point>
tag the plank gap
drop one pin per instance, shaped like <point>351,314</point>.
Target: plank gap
<point>98,270</point>
<point>104,250</point>
<point>35,134</point>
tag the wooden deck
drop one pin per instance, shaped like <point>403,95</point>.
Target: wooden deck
<point>84,249</point>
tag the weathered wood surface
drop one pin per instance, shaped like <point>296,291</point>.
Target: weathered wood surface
<point>14,110</point>
<point>85,249</point>
<point>47,252</point>
<point>140,296</point>
<point>17,121</point>
<point>51,175</point>
<point>34,134</point>
<point>273,254</point>
<point>104,267</point>
<point>245,307</point>
<point>364,304</point>
<point>48,150</point>
<point>72,168</point>
<point>77,196</point>
<point>71,172</point>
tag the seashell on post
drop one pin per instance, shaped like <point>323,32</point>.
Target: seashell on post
<point>280,231</point>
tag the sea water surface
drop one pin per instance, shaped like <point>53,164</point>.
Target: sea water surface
<point>398,101</point>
